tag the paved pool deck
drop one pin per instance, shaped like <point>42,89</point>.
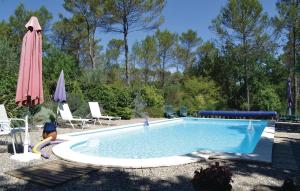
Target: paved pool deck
<point>286,149</point>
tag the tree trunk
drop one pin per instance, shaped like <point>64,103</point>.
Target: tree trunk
<point>125,32</point>
<point>146,73</point>
<point>92,54</point>
<point>295,75</point>
<point>248,93</point>
<point>90,42</point>
<point>163,71</point>
<point>245,60</point>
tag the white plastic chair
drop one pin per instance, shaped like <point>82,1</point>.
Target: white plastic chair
<point>66,115</point>
<point>96,114</point>
<point>6,128</point>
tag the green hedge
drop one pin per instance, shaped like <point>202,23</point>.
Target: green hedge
<point>116,101</point>
<point>154,101</point>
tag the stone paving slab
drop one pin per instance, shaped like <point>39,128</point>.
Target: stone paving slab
<point>283,157</point>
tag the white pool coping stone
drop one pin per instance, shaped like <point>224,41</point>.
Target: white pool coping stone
<point>262,152</point>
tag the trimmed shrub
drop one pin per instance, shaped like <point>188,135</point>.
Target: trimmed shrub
<point>214,178</point>
<point>43,115</point>
<point>115,101</point>
<point>154,101</point>
<point>78,106</point>
<point>200,93</point>
<point>267,99</point>
<point>125,112</point>
<point>155,111</point>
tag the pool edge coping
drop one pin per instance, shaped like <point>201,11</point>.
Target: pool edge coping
<point>262,152</point>
<point>71,136</point>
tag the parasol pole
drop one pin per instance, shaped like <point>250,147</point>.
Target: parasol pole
<point>26,139</point>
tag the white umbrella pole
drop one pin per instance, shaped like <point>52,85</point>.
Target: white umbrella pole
<point>57,112</point>
<point>26,139</point>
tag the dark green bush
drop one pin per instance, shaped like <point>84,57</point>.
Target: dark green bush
<point>9,64</point>
<point>214,178</point>
<point>155,111</point>
<point>78,106</point>
<point>115,101</point>
<point>43,115</point>
<point>125,112</point>
<point>152,96</point>
<point>55,61</point>
<point>153,100</point>
<point>267,99</point>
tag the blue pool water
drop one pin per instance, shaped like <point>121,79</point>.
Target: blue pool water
<point>178,138</point>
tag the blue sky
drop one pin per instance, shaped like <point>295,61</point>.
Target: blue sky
<point>180,15</point>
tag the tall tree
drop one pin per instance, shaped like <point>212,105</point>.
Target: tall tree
<point>68,36</point>
<point>6,30</point>
<point>91,13</point>
<point>165,42</point>
<point>186,49</point>
<point>288,22</point>
<point>147,56</point>
<point>206,54</point>
<point>114,49</point>
<point>244,25</point>
<point>126,16</point>
<point>21,16</point>
<point>112,68</point>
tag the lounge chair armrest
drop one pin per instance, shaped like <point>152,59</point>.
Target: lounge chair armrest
<point>5,122</point>
<point>18,119</point>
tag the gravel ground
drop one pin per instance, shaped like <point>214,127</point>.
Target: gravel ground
<point>246,176</point>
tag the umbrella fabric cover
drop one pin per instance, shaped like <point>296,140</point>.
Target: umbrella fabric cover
<point>60,91</point>
<point>29,87</point>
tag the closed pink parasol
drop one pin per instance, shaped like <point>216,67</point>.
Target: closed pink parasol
<point>30,88</point>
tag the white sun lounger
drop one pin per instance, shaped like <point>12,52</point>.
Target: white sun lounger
<point>66,115</point>
<point>96,114</point>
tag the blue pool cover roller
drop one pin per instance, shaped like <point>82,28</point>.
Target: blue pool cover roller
<point>235,114</point>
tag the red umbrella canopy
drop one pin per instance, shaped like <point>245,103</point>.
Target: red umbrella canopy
<point>30,87</point>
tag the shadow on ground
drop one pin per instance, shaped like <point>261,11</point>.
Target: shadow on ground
<point>106,179</point>
<point>288,127</point>
<point>135,179</point>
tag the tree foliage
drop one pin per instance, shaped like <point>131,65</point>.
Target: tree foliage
<point>243,24</point>
<point>21,16</point>
<point>166,41</point>
<point>185,51</point>
<point>147,56</point>
<point>288,22</point>
<point>8,75</point>
<point>132,15</point>
<point>90,14</point>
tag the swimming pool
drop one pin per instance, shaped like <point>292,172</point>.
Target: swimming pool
<point>164,140</point>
